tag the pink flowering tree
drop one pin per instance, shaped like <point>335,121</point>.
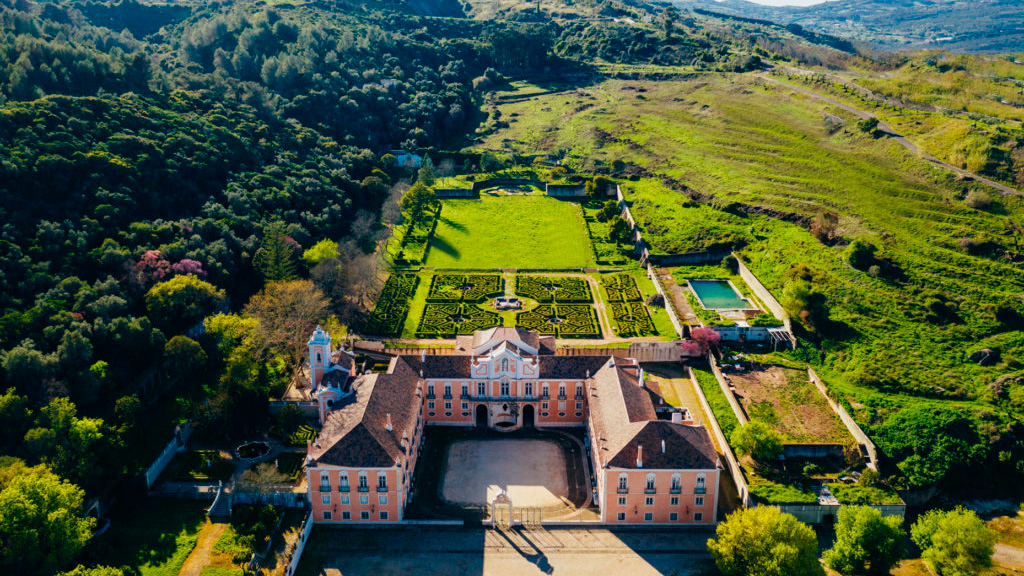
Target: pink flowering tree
<point>188,266</point>
<point>701,341</point>
<point>150,269</point>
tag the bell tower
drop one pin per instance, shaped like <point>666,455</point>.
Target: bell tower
<point>319,355</point>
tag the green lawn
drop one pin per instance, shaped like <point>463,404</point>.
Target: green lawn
<point>155,536</point>
<point>510,232</point>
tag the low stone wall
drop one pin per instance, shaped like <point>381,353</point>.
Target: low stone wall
<point>484,184</point>
<point>669,307</point>
<point>689,258</point>
<point>765,296</point>
<point>176,445</point>
<point>566,190</point>
<point>826,513</point>
<point>741,415</point>
<point>455,193</point>
<point>812,450</point>
<point>300,546</point>
<point>730,459</point>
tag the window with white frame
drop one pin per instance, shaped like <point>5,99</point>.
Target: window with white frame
<point>698,501</point>
<point>504,365</point>
<point>677,482</point>
<point>673,516</point>
<point>382,499</point>
<point>346,515</point>
<point>623,482</point>
<point>544,389</point>
<point>481,388</point>
<point>648,516</point>
<point>345,499</point>
<point>673,501</point>
<point>343,482</point>
<point>383,514</point>
<point>364,499</point>
<point>325,498</point>
<point>364,484</point>
<point>504,389</point>
<point>465,389</point>
<point>621,516</point>
<point>327,514</point>
<point>622,500</point>
<point>448,390</point>
<point>364,515</point>
<point>528,389</point>
<point>650,482</point>
<point>561,390</point>
<point>382,482</point>
<point>430,390</point>
<point>649,501</point>
<point>325,482</point>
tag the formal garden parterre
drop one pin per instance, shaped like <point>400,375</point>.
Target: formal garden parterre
<point>561,320</point>
<point>464,287</point>
<point>554,289</point>
<point>393,304</point>
<point>451,319</point>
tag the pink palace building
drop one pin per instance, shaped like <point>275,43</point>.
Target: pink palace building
<point>647,469</point>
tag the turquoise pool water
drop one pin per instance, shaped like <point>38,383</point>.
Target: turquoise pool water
<point>718,295</point>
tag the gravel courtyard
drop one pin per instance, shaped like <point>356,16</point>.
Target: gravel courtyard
<point>532,471</point>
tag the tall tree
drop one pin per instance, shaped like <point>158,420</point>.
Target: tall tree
<point>287,313</point>
<point>758,439</point>
<point>763,541</point>
<point>276,257</point>
<point>955,542</point>
<point>417,201</point>
<point>867,544</point>
<point>41,523</point>
<point>182,301</point>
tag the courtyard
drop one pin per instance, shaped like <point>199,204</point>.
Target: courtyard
<point>532,472</point>
<point>461,470</point>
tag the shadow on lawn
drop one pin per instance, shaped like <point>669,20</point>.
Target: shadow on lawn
<point>453,224</point>
<point>147,533</point>
<point>439,243</point>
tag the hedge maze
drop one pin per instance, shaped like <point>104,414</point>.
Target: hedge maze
<point>561,320</point>
<point>450,319</point>
<point>621,288</point>
<point>554,289</point>
<point>392,307</point>
<point>633,319</point>
<point>465,287</point>
<point>626,306</point>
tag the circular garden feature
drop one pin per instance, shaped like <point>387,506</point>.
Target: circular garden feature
<point>252,450</point>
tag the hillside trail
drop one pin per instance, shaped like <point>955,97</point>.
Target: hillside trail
<point>200,556</point>
<point>899,138</point>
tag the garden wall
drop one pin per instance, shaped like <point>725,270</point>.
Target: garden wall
<point>640,351</point>
<point>455,193</point>
<point>745,333</point>
<point>176,445</point>
<point>764,295</point>
<point>669,307</point>
<point>483,184</point>
<point>566,190</point>
<point>812,450</point>
<point>866,444</point>
<point>826,513</point>
<point>300,546</point>
<point>741,415</point>
<point>309,409</point>
<point>688,258</point>
<point>730,459</point>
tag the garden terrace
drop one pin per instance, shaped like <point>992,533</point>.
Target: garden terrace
<point>493,232</point>
<point>464,287</point>
<point>554,288</point>
<point>451,319</point>
<point>606,251</point>
<point>388,316</point>
<point>561,320</point>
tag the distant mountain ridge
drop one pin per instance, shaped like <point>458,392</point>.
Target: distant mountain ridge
<point>957,25</point>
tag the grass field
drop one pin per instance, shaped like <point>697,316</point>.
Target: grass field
<point>737,139</point>
<point>510,232</point>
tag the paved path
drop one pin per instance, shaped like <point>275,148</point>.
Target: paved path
<point>902,140</point>
<point>200,556</point>
<point>433,550</point>
<point>1009,557</point>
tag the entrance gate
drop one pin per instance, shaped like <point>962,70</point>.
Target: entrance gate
<point>504,515</point>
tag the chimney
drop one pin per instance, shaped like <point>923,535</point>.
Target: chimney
<point>677,417</point>
<point>662,446</point>
<point>640,456</point>
<point>642,382</point>
<point>388,425</point>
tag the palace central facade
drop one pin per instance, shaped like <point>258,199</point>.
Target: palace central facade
<point>649,465</point>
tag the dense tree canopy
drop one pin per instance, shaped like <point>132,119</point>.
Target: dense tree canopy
<point>763,541</point>
<point>867,544</point>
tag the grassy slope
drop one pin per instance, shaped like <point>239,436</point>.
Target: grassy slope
<point>738,139</point>
<point>157,538</point>
<point>510,232</point>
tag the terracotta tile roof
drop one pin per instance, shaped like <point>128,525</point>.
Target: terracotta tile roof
<point>356,434</point>
<point>570,367</point>
<point>529,337</point>
<point>624,419</point>
<point>344,359</point>
<point>439,366</point>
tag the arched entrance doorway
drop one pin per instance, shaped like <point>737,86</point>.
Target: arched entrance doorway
<point>528,416</point>
<point>481,416</point>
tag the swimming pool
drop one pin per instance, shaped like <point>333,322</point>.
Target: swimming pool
<point>718,295</point>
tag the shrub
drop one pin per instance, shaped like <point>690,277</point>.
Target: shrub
<point>758,440</point>
<point>388,316</point>
<point>861,254</point>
